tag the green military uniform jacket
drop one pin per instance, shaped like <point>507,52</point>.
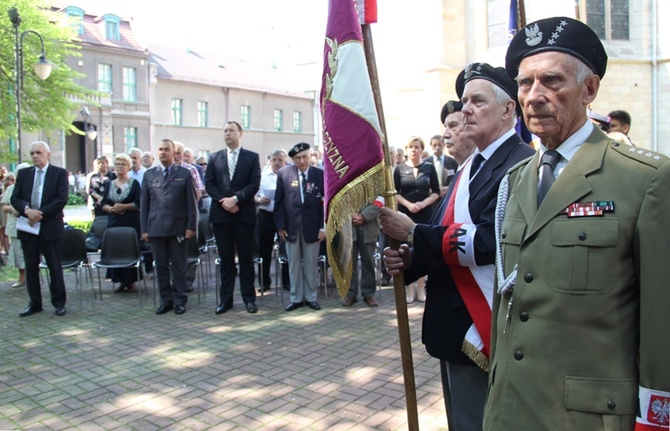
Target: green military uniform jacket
<point>590,321</point>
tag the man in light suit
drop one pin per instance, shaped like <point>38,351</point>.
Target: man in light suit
<point>580,327</point>
<point>169,217</point>
<point>40,194</point>
<point>457,248</point>
<point>232,179</point>
<point>445,166</point>
<point>299,218</point>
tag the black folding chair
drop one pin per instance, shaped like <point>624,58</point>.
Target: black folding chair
<point>120,249</point>
<point>73,256</point>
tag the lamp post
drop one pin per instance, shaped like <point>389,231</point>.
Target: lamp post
<point>42,68</point>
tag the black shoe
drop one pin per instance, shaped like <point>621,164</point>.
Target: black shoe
<point>223,307</point>
<point>29,311</point>
<point>293,306</point>
<point>287,288</point>
<point>61,311</point>
<point>179,309</point>
<point>264,289</point>
<point>313,305</point>
<point>251,307</point>
<point>189,289</point>
<point>164,308</point>
<point>386,281</point>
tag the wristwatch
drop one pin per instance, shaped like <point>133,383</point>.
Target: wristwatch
<point>410,235</point>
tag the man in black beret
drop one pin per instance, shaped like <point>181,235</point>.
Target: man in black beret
<point>580,339</point>
<point>457,144</point>
<point>456,249</point>
<point>299,218</point>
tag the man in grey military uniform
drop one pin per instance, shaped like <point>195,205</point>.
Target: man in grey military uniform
<point>169,217</point>
<point>580,337</point>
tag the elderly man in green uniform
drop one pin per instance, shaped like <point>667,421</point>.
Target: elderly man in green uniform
<point>580,325</point>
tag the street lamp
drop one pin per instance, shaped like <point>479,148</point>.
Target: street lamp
<point>42,68</point>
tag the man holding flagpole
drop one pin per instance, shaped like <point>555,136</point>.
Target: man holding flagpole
<point>456,250</point>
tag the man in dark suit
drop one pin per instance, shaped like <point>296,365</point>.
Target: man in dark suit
<point>298,215</point>
<point>457,248</point>
<point>169,217</point>
<point>231,180</point>
<point>40,194</point>
<point>445,166</point>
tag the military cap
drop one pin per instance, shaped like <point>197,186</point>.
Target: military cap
<point>560,34</point>
<point>302,146</point>
<point>449,108</point>
<point>496,75</point>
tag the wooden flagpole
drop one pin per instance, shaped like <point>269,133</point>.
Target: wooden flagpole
<point>398,280</point>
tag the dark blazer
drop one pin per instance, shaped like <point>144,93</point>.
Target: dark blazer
<point>290,213</point>
<point>168,206</point>
<point>54,199</point>
<point>244,185</point>
<point>445,318</point>
<point>449,168</point>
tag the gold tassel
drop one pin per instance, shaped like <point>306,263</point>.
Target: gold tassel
<point>342,206</point>
<point>476,355</point>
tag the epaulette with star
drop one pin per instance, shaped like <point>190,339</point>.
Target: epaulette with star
<point>642,155</point>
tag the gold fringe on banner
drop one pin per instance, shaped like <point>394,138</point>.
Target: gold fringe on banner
<point>363,190</point>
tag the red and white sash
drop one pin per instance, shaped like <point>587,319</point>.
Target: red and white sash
<point>474,283</point>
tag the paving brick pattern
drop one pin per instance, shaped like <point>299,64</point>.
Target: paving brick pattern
<point>117,366</point>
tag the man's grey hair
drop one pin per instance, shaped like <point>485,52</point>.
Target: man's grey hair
<point>278,152</point>
<point>582,71</point>
<point>188,150</point>
<point>502,97</point>
<point>135,150</point>
<point>42,143</point>
<point>179,144</point>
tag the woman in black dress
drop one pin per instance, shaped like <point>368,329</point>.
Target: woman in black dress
<point>121,203</point>
<point>417,189</point>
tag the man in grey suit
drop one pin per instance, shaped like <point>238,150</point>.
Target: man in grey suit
<point>169,217</point>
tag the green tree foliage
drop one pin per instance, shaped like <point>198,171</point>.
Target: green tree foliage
<point>47,105</point>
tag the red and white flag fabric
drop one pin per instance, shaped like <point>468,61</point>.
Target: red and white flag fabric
<point>352,137</point>
<point>367,11</point>
<point>654,412</point>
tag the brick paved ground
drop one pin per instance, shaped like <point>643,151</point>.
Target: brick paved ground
<point>118,366</point>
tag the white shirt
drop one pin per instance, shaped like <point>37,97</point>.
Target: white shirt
<point>568,148</point>
<point>267,189</point>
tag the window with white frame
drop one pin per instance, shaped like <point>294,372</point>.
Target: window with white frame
<point>202,114</point>
<point>129,138</point>
<point>245,117</point>
<point>129,84</point>
<point>609,19</point>
<point>105,78</point>
<point>278,120</point>
<point>297,121</point>
<point>176,112</point>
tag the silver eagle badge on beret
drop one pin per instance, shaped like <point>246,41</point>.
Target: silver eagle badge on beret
<point>533,35</point>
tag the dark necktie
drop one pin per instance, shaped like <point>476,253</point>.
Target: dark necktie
<point>476,162</point>
<point>304,185</point>
<point>166,172</point>
<point>549,161</point>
